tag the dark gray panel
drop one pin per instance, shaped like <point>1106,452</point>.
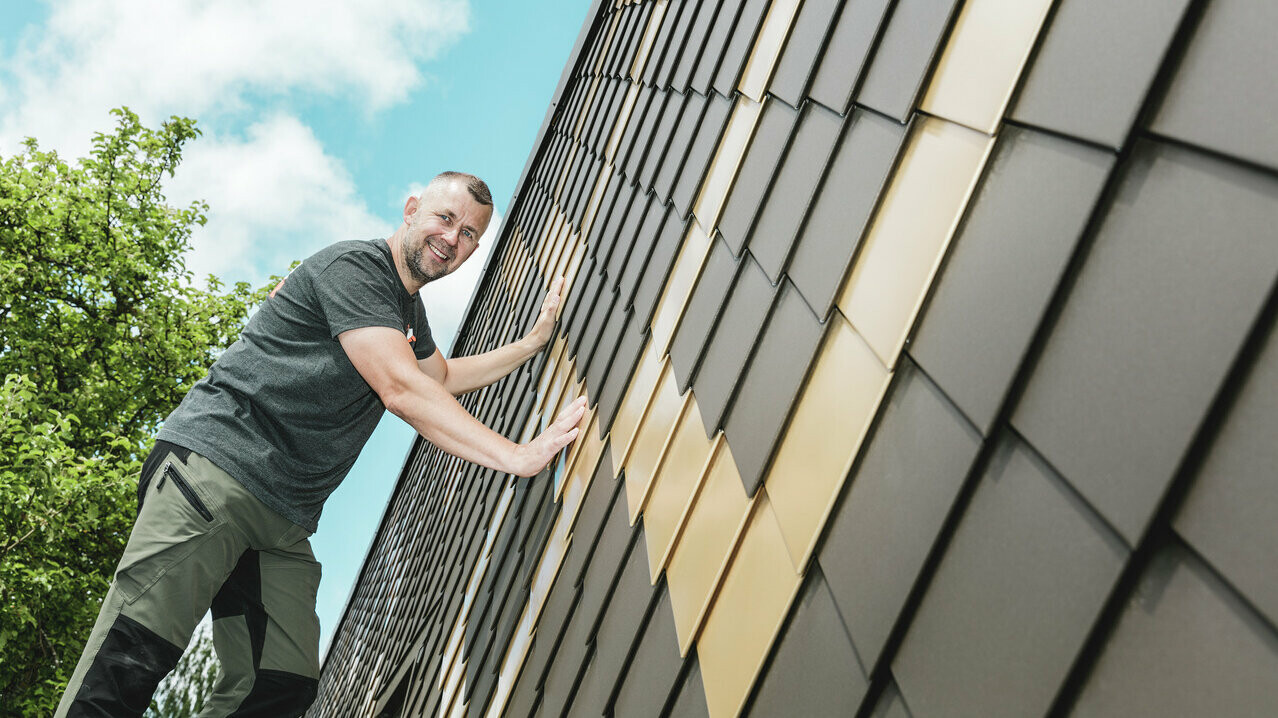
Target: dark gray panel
<point>842,206</point>
<point>755,174</point>
<point>707,13</point>
<point>564,672</point>
<point>596,369</point>
<point>654,668</point>
<point>701,312</point>
<point>1015,595</point>
<point>630,200</point>
<point>1095,66</point>
<point>796,183</point>
<point>1186,646</point>
<point>641,119</point>
<point>623,365</point>
<point>1178,272</point>
<point>621,621</point>
<point>647,138</point>
<point>729,350</point>
<point>890,704</point>
<point>595,508</point>
<point>639,14</point>
<point>597,236</point>
<point>587,701</point>
<point>629,236</point>
<point>523,697</point>
<point>1224,96</point>
<point>846,53</point>
<point>661,45</point>
<point>901,492</point>
<point>661,139</point>
<point>644,241</point>
<point>582,300</point>
<point>559,604</point>
<point>663,184</point>
<point>595,327</point>
<point>602,130</point>
<point>904,56</point>
<point>716,44</point>
<point>691,701</point>
<point>615,539</point>
<point>676,44</point>
<point>1021,227</point>
<point>790,78</point>
<point>770,386</point>
<point>1231,515</point>
<point>701,152</point>
<point>739,45</point>
<point>815,671</point>
<point>669,239</point>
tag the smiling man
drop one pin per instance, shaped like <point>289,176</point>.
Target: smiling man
<point>235,485</point>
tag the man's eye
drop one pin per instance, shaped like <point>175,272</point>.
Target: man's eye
<point>468,234</point>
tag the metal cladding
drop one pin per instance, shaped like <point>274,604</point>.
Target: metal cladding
<point>931,362</point>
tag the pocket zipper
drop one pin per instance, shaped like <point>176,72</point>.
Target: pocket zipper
<point>187,492</point>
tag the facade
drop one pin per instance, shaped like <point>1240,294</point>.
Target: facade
<point>932,371</point>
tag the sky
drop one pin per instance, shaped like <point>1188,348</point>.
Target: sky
<point>319,119</point>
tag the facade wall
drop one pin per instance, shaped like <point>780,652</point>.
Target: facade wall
<point>929,348</point>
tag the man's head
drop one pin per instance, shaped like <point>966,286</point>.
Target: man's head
<point>442,226</point>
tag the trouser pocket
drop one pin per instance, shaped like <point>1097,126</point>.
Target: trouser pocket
<point>176,519</point>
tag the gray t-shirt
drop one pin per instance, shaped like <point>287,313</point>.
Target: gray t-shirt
<point>283,410</point>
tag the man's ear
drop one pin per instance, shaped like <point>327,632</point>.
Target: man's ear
<point>410,209</point>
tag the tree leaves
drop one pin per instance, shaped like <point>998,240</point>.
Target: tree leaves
<point>102,331</point>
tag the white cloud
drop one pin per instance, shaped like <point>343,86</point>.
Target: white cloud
<point>199,58</point>
<point>274,196</point>
<point>446,299</point>
<point>274,193</point>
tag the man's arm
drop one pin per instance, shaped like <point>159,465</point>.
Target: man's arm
<point>462,374</point>
<point>385,360</point>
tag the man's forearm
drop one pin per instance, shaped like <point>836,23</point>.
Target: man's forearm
<point>475,372</point>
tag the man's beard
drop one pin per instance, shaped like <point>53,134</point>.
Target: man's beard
<point>414,255</point>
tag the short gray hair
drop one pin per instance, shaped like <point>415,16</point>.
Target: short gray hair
<point>478,189</point>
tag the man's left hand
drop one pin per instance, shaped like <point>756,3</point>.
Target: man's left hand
<point>545,324</point>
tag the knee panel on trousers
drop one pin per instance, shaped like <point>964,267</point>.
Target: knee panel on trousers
<point>129,665</point>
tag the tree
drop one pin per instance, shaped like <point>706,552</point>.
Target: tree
<point>102,331</point>
<point>183,692</point>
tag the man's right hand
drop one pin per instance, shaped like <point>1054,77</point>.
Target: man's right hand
<point>529,459</point>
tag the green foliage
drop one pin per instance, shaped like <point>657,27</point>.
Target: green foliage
<point>183,692</point>
<point>102,331</point>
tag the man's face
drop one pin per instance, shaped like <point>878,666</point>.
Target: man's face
<point>444,228</point>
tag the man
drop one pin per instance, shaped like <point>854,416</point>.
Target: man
<point>242,467</point>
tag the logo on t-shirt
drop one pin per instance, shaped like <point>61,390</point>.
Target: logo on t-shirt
<point>408,332</point>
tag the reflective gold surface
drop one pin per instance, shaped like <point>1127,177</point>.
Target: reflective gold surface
<point>679,287</point>
<point>983,61</point>
<point>701,550</point>
<point>833,414</point>
<point>671,492</point>
<point>642,383</point>
<point>908,236</point>
<point>650,440</point>
<point>747,613</point>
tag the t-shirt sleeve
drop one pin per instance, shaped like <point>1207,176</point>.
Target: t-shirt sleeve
<point>353,293</point>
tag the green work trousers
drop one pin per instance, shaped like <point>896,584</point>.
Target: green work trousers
<point>203,541</point>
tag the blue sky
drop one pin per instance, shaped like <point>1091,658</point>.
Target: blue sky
<point>319,118</point>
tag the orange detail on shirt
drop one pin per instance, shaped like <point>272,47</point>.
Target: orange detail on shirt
<point>278,287</point>
<point>408,332</point>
